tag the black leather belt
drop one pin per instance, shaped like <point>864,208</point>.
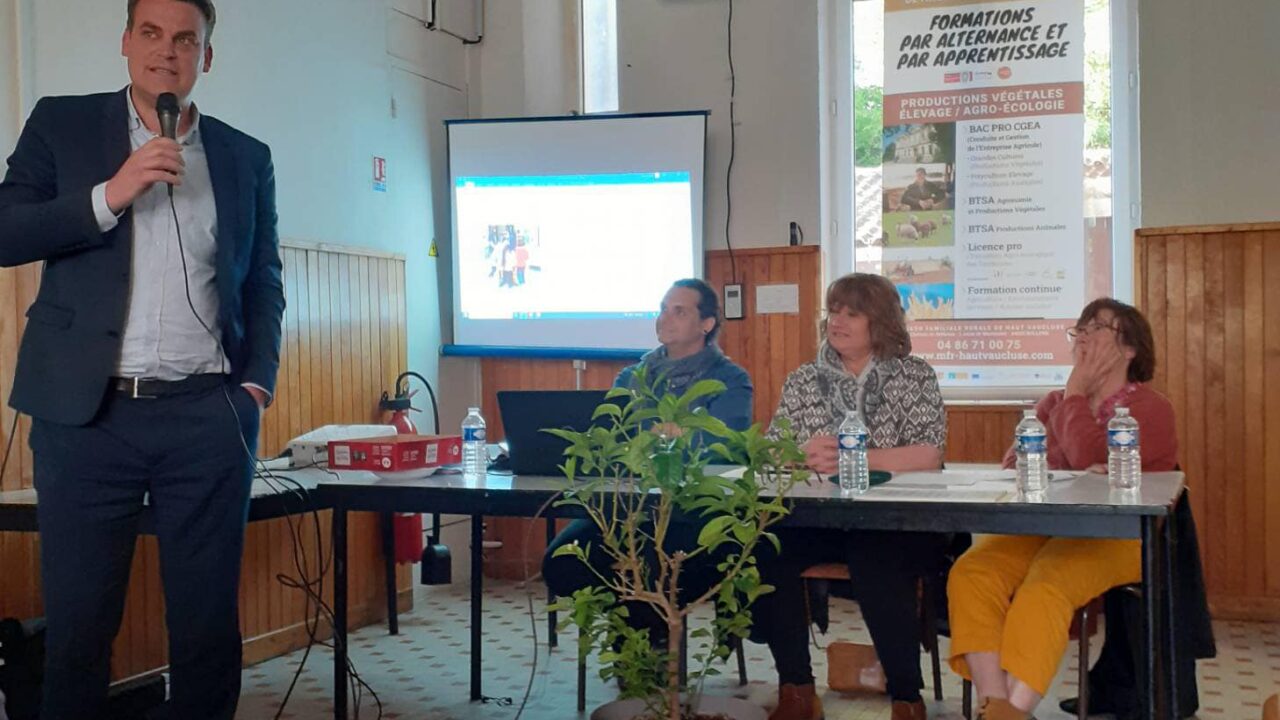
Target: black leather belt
<point>145,388</point>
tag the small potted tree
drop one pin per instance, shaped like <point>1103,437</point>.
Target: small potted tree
<point>643,469</point>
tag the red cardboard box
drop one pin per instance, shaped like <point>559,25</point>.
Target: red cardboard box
<point>395,453</point>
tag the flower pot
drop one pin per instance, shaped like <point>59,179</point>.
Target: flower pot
<point>709,707</point>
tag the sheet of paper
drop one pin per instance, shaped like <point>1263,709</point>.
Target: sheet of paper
<point>1055,476</point>
<point>935,494</point>
<point>772,299</point>
<point>948,478</point>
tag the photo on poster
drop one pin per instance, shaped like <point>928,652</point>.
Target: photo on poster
<point>926,282</point>
<point>919,185</point>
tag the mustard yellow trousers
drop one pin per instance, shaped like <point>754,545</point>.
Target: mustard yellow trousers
<point>1016,595</point>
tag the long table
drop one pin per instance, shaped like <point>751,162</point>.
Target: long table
<point>267,502</point>
<point>1081,507</point>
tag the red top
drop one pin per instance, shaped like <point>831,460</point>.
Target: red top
<point>1077,438</point>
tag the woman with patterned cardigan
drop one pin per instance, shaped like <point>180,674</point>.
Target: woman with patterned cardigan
<point>863,365</point>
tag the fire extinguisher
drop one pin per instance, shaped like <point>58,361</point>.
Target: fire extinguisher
<point>399,408</point>
<point>407,527</point>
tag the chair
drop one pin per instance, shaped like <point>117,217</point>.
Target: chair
<point>839,572</point>
<point>1082,616</point>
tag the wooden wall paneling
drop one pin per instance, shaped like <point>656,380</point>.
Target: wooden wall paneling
<point>770,346</point>
<point>980,433</point>
<point>1212,472</point>
<point>1253,529</point>
<point>1211,296</point>
<point>1232,418</point>
<point>1271,415</point>
<point>1192,422</point>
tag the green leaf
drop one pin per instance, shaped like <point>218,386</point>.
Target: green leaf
<point>700,389</point>
<point>607,409</point>
<point>712,534</point>
<point>569,549</point>
<point>756,592</point>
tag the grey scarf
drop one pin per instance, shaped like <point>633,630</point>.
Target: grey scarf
<point>679,375</point>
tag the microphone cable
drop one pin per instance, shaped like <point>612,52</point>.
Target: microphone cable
<point>312,589</point>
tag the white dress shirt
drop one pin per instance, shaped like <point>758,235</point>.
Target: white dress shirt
<point>162,338</point>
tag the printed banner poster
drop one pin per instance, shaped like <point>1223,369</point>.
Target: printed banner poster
<point>983,192</point>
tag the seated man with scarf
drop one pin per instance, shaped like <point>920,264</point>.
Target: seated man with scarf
<point>687,327</point>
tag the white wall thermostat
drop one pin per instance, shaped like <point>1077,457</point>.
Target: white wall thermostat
<point>732,302</point>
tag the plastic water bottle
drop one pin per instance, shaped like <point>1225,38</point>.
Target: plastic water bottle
<point>1124,462</point>
<point>475,451</point>
<point>855,476</point>
<point>1033,462</point>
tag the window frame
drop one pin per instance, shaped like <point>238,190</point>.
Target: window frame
<point>582,61</point>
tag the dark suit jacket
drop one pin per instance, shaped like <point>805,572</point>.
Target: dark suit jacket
<point>72,341</point>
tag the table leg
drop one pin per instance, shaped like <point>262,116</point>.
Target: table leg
<point>388,522</point>
<point>1170,613</point>
<point>477,588</point>
<point>339,539</point>
<point>552,640</point>
<point>1153,675</point>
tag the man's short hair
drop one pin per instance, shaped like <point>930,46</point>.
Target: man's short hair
<point>921,171</point>
<point>204,6</point>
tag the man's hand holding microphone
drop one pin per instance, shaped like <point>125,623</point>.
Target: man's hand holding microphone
<point>160,160</point>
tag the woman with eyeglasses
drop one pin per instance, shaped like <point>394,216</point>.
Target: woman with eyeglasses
<point>1012,597</point>
<point>865,365</point>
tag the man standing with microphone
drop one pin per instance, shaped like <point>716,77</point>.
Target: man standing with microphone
<point>149,353</point>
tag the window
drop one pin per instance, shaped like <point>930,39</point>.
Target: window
<point>977,130</point>
<point>599,55</point>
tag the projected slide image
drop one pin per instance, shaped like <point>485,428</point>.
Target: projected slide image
<point>557,247</point>
<point>512,254</point>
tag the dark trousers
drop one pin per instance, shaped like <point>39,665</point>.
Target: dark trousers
<point>566,574</point>
<point>186,453</point>
<point>885,568</point>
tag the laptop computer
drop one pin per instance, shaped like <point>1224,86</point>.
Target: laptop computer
<point>525,413</point>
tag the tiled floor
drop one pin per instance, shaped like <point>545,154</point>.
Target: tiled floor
<point>424,672</point>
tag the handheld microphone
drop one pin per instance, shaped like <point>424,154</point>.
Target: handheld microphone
<point>168,112</point>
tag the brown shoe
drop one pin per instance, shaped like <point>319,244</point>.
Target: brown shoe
<point>903,710</point>
<point>797,702</point>
<point>1000,709</point>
